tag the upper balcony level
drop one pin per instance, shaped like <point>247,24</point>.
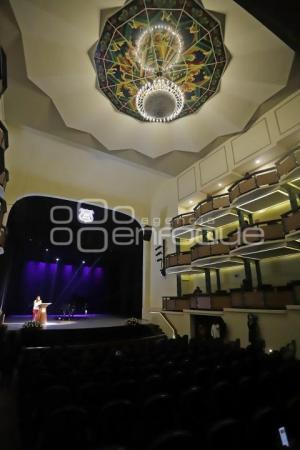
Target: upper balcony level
<point>291,223</point>
<point>214,255</point>
<point>258,190</point>
<point>183,225</point>
<point>265,239</point>
<point>214,212</point>
<point>254,192</point>
<point>268,239</point>
<point>179,263</point>
<point>289,169</point>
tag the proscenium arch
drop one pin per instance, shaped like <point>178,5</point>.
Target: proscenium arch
<point>59,200</point>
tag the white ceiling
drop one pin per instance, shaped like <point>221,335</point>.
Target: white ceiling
<point>57,36</point>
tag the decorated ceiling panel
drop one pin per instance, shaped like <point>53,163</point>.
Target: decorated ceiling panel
<point>175,41</point>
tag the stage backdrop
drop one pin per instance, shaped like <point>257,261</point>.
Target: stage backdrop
<point>62,284</point>
<point>107,289</point>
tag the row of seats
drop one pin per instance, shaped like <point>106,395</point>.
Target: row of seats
<point>168,394</point>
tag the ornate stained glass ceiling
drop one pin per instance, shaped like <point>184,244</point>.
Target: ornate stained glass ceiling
<point>175,39</point>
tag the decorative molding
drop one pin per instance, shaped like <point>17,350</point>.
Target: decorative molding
<point>192,169</point>
<point>296,116</point>
<point>247,133</point>
<point>223,148</point>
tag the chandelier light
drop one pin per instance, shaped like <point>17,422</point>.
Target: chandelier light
<point>160,100</point>
<point>151,55</point>
<point>160,60</point>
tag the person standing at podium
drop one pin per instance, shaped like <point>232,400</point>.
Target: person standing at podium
<point>36,308</point>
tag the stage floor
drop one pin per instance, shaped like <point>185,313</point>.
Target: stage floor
<point>76,322</point>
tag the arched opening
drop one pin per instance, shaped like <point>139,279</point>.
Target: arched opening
<point>84,255</point>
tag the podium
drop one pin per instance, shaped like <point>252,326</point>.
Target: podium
<point>43,313</point>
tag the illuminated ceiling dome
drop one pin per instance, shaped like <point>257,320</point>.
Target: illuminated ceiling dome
<point>174,39</point>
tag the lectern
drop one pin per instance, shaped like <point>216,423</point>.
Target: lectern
<point>43,313</point>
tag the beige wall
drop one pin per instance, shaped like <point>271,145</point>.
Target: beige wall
<point>39,163</point>
<point>164,206</point>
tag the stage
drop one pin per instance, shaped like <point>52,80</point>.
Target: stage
<point>77,321</point>
<point>79,330</point>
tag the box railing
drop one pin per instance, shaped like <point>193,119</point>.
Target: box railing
<point>183,220</point>
<point>252,181</point>
<point>178,259</point>
<point>212,204</point>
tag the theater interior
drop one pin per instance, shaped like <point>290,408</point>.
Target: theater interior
<point>149,225</point>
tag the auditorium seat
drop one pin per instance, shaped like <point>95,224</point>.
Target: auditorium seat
<point>69,429</point>
<point>153,384</point>
<point>175,440</point>
<point>247,396</point>
<point>178,384</point>
<point>292,416</point>
<point>116,422</point>
<point>229,431</point>
<point>55,397</point>
<point>193,406</point>
<point>222,401</point>
<point>265,424</point>
<point>158,414</point>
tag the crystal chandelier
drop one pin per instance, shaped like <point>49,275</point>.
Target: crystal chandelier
<point>158,49</point>
<point>160,60</point>
<point>160,100</point>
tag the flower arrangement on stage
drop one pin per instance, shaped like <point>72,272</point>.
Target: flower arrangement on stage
<point>132,322</point>
<point>32,325</point>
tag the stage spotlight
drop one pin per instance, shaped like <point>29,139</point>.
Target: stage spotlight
<point>83,262</point>
<point>47,249</point>
<point>57,259</point>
